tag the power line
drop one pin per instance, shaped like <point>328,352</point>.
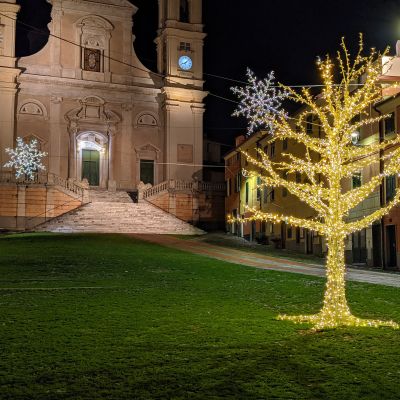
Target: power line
<point>158,74</point>
<point>152,60</point>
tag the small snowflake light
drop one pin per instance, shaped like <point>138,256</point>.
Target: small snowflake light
<point>260,102</point>
<point>26,158</point>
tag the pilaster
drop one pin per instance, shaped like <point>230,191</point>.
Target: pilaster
<point>56,133</point>
<point>8,76</point>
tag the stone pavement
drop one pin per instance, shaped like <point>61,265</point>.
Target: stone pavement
<point>243,257</point>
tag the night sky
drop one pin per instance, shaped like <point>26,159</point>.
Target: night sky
<point>284,36</point>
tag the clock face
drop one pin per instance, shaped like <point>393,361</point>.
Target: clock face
<point>185,63</point>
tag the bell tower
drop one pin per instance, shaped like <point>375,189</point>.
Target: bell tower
<point>8,75</point>
<point>180,60</point>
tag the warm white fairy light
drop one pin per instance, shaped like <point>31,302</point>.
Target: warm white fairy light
<point>260,102</point>
<point>338,158</point>
<point>26,159</point>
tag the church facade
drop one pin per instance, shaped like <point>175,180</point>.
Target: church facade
<point>97,111</point>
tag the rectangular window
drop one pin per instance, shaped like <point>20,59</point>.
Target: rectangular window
<point>297,235</point>
<point>184,46</point>
<point>92,60</point>
<point>284,144</point>
<point>298,177</point>
<point>258,188</point>
<point>238,181</point>
<point>228,187</point>
<point>272,195</point>
<point>147,171</point>
<point>309,124</point>
<point>390,187</point>
<point>356,180</point>
<point>389,124</point>
<point>266,150</point>
<point>247,192</point>
<point>289,232</point>
<point>184,11</point>
<point>272,150</point>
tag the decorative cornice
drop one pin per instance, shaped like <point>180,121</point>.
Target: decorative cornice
<point>9,7</point>
<point>83,84</point>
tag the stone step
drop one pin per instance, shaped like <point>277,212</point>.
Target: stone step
<point>114,212</point>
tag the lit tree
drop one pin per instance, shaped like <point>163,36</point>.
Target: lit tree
<point>26,158</point>
<point>337,110</point>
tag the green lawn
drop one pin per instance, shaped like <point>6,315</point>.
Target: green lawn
<point>108,317</point>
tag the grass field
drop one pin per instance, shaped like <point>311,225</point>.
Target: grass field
<point>108,317</point>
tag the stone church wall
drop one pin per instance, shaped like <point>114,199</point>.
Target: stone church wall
<point>204,209</point>
<point>24,206</point>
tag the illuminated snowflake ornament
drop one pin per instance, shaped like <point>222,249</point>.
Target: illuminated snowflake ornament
<point>26,158</point>
<point>260,102</point>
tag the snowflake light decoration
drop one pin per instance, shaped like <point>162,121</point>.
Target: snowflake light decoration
<point>260,102</point>
<point>26,158</point>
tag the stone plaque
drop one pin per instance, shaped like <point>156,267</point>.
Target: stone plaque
<point>185,153</point>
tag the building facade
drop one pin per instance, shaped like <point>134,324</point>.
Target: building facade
<point>92,105</point>
<point>244,192</point>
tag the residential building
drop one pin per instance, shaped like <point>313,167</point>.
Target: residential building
<point>245,192</point>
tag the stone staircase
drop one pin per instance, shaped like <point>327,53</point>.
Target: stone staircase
<point>114,212</point>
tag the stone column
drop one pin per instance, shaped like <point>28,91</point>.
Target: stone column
<point>112,185</point>
<point>55,151</point>
<point>72,155</point>
<point>198,115</point>
<point>8,76</point>
<point>55,42</point>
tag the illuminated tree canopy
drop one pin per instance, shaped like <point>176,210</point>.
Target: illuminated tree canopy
<point>337,110</point>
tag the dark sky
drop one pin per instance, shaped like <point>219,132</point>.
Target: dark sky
<point>281,35</point>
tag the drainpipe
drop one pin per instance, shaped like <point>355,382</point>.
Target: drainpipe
<point>381,189</point>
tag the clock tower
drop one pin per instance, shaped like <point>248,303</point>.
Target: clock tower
<point>180,60</point>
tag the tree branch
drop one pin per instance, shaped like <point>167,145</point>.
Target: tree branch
<point>293,221</point>
<point>378,214</point>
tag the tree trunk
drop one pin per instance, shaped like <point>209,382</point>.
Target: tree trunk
<point>335,309</point>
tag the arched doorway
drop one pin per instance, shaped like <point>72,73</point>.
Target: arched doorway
<point>92,158</point>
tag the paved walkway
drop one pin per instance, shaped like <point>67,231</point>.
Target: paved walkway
<point>243,257</point>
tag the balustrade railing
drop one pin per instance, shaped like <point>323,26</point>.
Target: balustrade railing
<point>68,184</point>
<point>43,179</point>
<point>178,185</point>
<point>212,187</point>
<point>154,190</point>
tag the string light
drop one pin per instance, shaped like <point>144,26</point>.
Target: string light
<point>327,162</point>
<point>26,158</point>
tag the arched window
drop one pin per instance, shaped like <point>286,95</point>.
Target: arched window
<point>184,11</point>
